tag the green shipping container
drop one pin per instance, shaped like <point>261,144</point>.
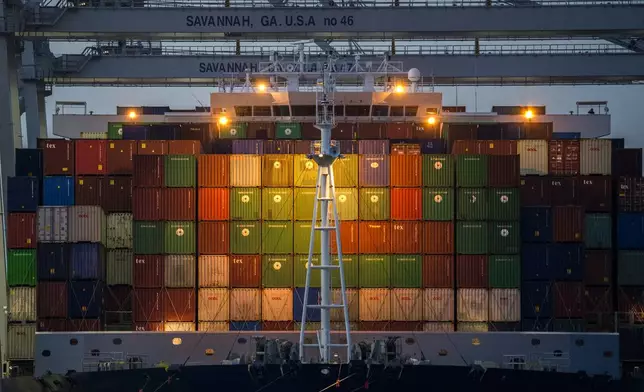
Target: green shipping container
<point>438,170</point>
<point>21,267</point>
<point>277,271</point>
<point>233,131</point>
<point>630,268</point>
<point>471,238</point>
<point>299,271</point>
<point>148,238</point>
<point>505,271</point>
<point>375,270</point>
<point>114,131</point>
<point>346,200</point>
<point>302,238</point>
<point>374,204</point>
<point>503,204</point>
<point>598,231</point>
<point>277,237</point>
<point>277,170</point>
<point>345,171</point>
<point>438,204</point>
<point>180,238</point>
<point>305,171</point>
<point>504,238</point>
<point>304,201</point>
<point>406,271</point>
<point>245,204</point>
<point>277,204</point>
<point>180,171</point>
<point>471,171</point>
<point>351,276</point>
<point>472,204</point>
<point>288,131</point>
<point>245,237</point>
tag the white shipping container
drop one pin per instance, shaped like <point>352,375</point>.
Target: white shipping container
<point>52,224</point>
<point>119,231</point>
<point>179,327</point>
<point>179,270</point>
<point>277,304</point>
<point>438,305</point>
<point>21,341</point>
<point>119,266</point>
<point>22,304</point>
<point>213,271</point>
<point>438,327</point>
<point>245,170</point>
<point>472,327</point>
<point>214,326</point>
<point>353,301</point>
<point>533,157</point>
<point>596,157</point>
<point>245,304</point>
<point>407,304</point>
<point>213,304</point>
<point>375,304</point>
<point>505,305</point>
<point>87,224</point>
<point>472,305</point>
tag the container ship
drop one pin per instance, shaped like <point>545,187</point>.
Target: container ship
<point>159,250</point>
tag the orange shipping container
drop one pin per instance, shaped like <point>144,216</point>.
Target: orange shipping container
<point>406,170</point>
<point>374,237</point>
<point>184,147</point>
<point>349,237</point>
<point>245,271</point>
<point>407,304</point>
<point>245,304</point>
<point>214,304</point>
<point>152,147</point>
<point>438,238</point>
<point>497,147</point>
<point>375,304</point>
<point>406,237</point>
<point>213,271</point>
<point>214,204</point>
<point>214,238</point>
<point>438,305</point>
<point>277,304</point>
<point>213,170</point>
<point>406,203</point>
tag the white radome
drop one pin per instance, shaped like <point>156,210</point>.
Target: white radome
<point>413,75</point>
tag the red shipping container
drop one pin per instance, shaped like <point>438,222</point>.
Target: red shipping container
<point>465,147</point>
<point>471,272</point>
<point>120,154</point>
<point>564,191</point>
<point>631,299</point>
<point>149,327</point>
<point>52,299</point>
<point>371,131</point>
<point>406,170</point>
<point>405,326</point>
<point>503,171</point>
<point>118,194</point>
<point>438,237</point>
<point>148,305</point>
<point>568,223</point>
<point>214,204</point>
<point>58,157</point>
<point>147,204</point>
<point>179,305</point>
<point>21,230</point>
<point>148,171</point>
<point>406,203</point>
<point>535,191</point>
<point>596,193</point>
<point>438,271</point>
<point>278,325</point>
<point>344,131</point>
<point>564,157</point>
<point>214,238</point>
<point>349,237</point>
<point>497,147</point>
<point>245,271</point>
<point>213,170</point>
<point>178,204</point>
<point>89,191</point>
<point>598,301</point>
<point>569,299</point>
<point>398,130</point>
<point>51,325</point>
<point>90,156</point>
<point>152,147</point>
<point>84,325</point>
<point>184,147</point>
<point>148,271</point>
<point>374,237</point>
<point>406,237</point>
<point>598,267</point>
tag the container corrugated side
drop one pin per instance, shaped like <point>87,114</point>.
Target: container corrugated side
<point>345,171</point>
<point>179,327</point>
<point>504,271</point>
<point>277,204</point>
<point>568,223</point>
<point>630,268</point>
<point>504,238</point>
<point>438,271</point>
<point>53,224</point>
<point>406,271</point>
<point>87,261</point>
<point>148,237</point>
<point>406,237</point>
<point>277,237</point>
<point>119,267</point>
<point>179,305</point>
<point>245,304</point>
<point>353,303</point>
<point>471,170</point>
<point>214,204</point>
<point>472,204</point>
<point>22,304</point>
<point>505,305</point>
<point>373,171</point>
<point>52,299</point>
<point>374,237</point>
<point>277,304</point>
<point>375,270</point>
<point>21,230</point>
<point>438,237</point>
<point>87,224</point>
<point>533,156</point>
<point>148,271</point>
<point>245,237</point>
<point>213,271</point>
<point>406,304</point>
<point>57,191</point>
<point>375,304</point>
<point>178,204</point>
<point>245,204</point>
<point>438,304</point>
<point>438,170</point>
<point>374,204</point>
<point>438,327</point>
<point>471,271</point>
<point>245,170</point>
<point>277,170</point>
<point>277,271</point>
<point>213,170</point>
<point>472,327</point>
<point>213,304</point>
<point>245,271</point>
<point>438,204</point>
<point>119,231</point>
<point>503,204</point>
<point>305,171</point>
<point>406,203</point>
<point>213,326</point>
<point>180,171</point>
<point>598,232</point>
<point>21,341</point>
<point>180,238</point>
<point>472,305</point>
<point>21,267</point>
<point>596,157</point>
<point>406,170</point>
<point>179,271</point>
<point>472,238</point>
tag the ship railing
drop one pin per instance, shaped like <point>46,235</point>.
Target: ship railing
<point>551,361</point>
<point>109,361</point>
<point>514,361</point>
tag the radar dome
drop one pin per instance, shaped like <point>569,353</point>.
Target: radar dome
<point>413,75</point>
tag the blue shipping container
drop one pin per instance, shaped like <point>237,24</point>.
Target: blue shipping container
<point>162,132</point>
<point>432,146</point>
<point>536,224</point>
<point>52,261</point>
<point>58,191</point>
<point>245,326</point>
<point>29,162</point>
<point>255,147</point>
<point>23,194</point>
<point>630,231</point>
<point>298,304</point>
<point>536,300</point>
<point>87,261</point>
<point>535,264</point>
<point>135,132</point>
<point>536,325</point>
<point>375,147</point>
<point>566,135</point>
<point>85,299</point>
<point>566,261</point>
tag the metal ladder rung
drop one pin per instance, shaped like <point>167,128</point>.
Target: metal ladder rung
<point>335,266</point>
<point>330,345</point>
<point>331,306</point>
<point>324,227</point>
<point>325,198</point>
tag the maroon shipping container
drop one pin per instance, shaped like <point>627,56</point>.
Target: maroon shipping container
<point>344,131</point>
<point>465,147</point>
<point>91,156</point>
<point>120,154</point>
<point>118,304</point>
<point>148,304</point>
<point>405,326</point>
<point>438,238</point>
<point>58,157</point>
<point>631,194</point>
<point>84,325</point>
<point>627,162</point>
<point>406,203</point>
<point>184,147</point>
<point>598,301</point>
<point>372,131</point>
<point>568,223</point>
<point>179,305</point>
<point>51,325</point>
<point>423,130</point>
<point>309,131</point>
<point>21,230</point>
<point>534,130</point>
<point>52,299</point>
<point>536,191</point>
<point>406,237</point>
<point>118,194</point>
<point>399,130</point>
<point>152,147</point>
<point>148,171</point>
<point>260,130</point>
<point>374,237</point>
<point>277,325</point>
<point>349,236</point>
<point>497,147</point>
<point>503,171</point>
<point>214,238</point>
<point>303,147</point>
<point>569,299</point>
<point>471,272</point>
<point>564,191</point>
<point>178,204</point>
<point>564,157</point>
<point>149,327</point>
<point>598,267</point>
<point>438,271</point>
<point>89,191</point>
<point>148,271</point>
<point>213,170</point>
<point>630,299</point>
<point>245,271</point>
<point>406,170</point>
<point>595,193</point>
<point>373,326</point>
<point>147,204</point>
